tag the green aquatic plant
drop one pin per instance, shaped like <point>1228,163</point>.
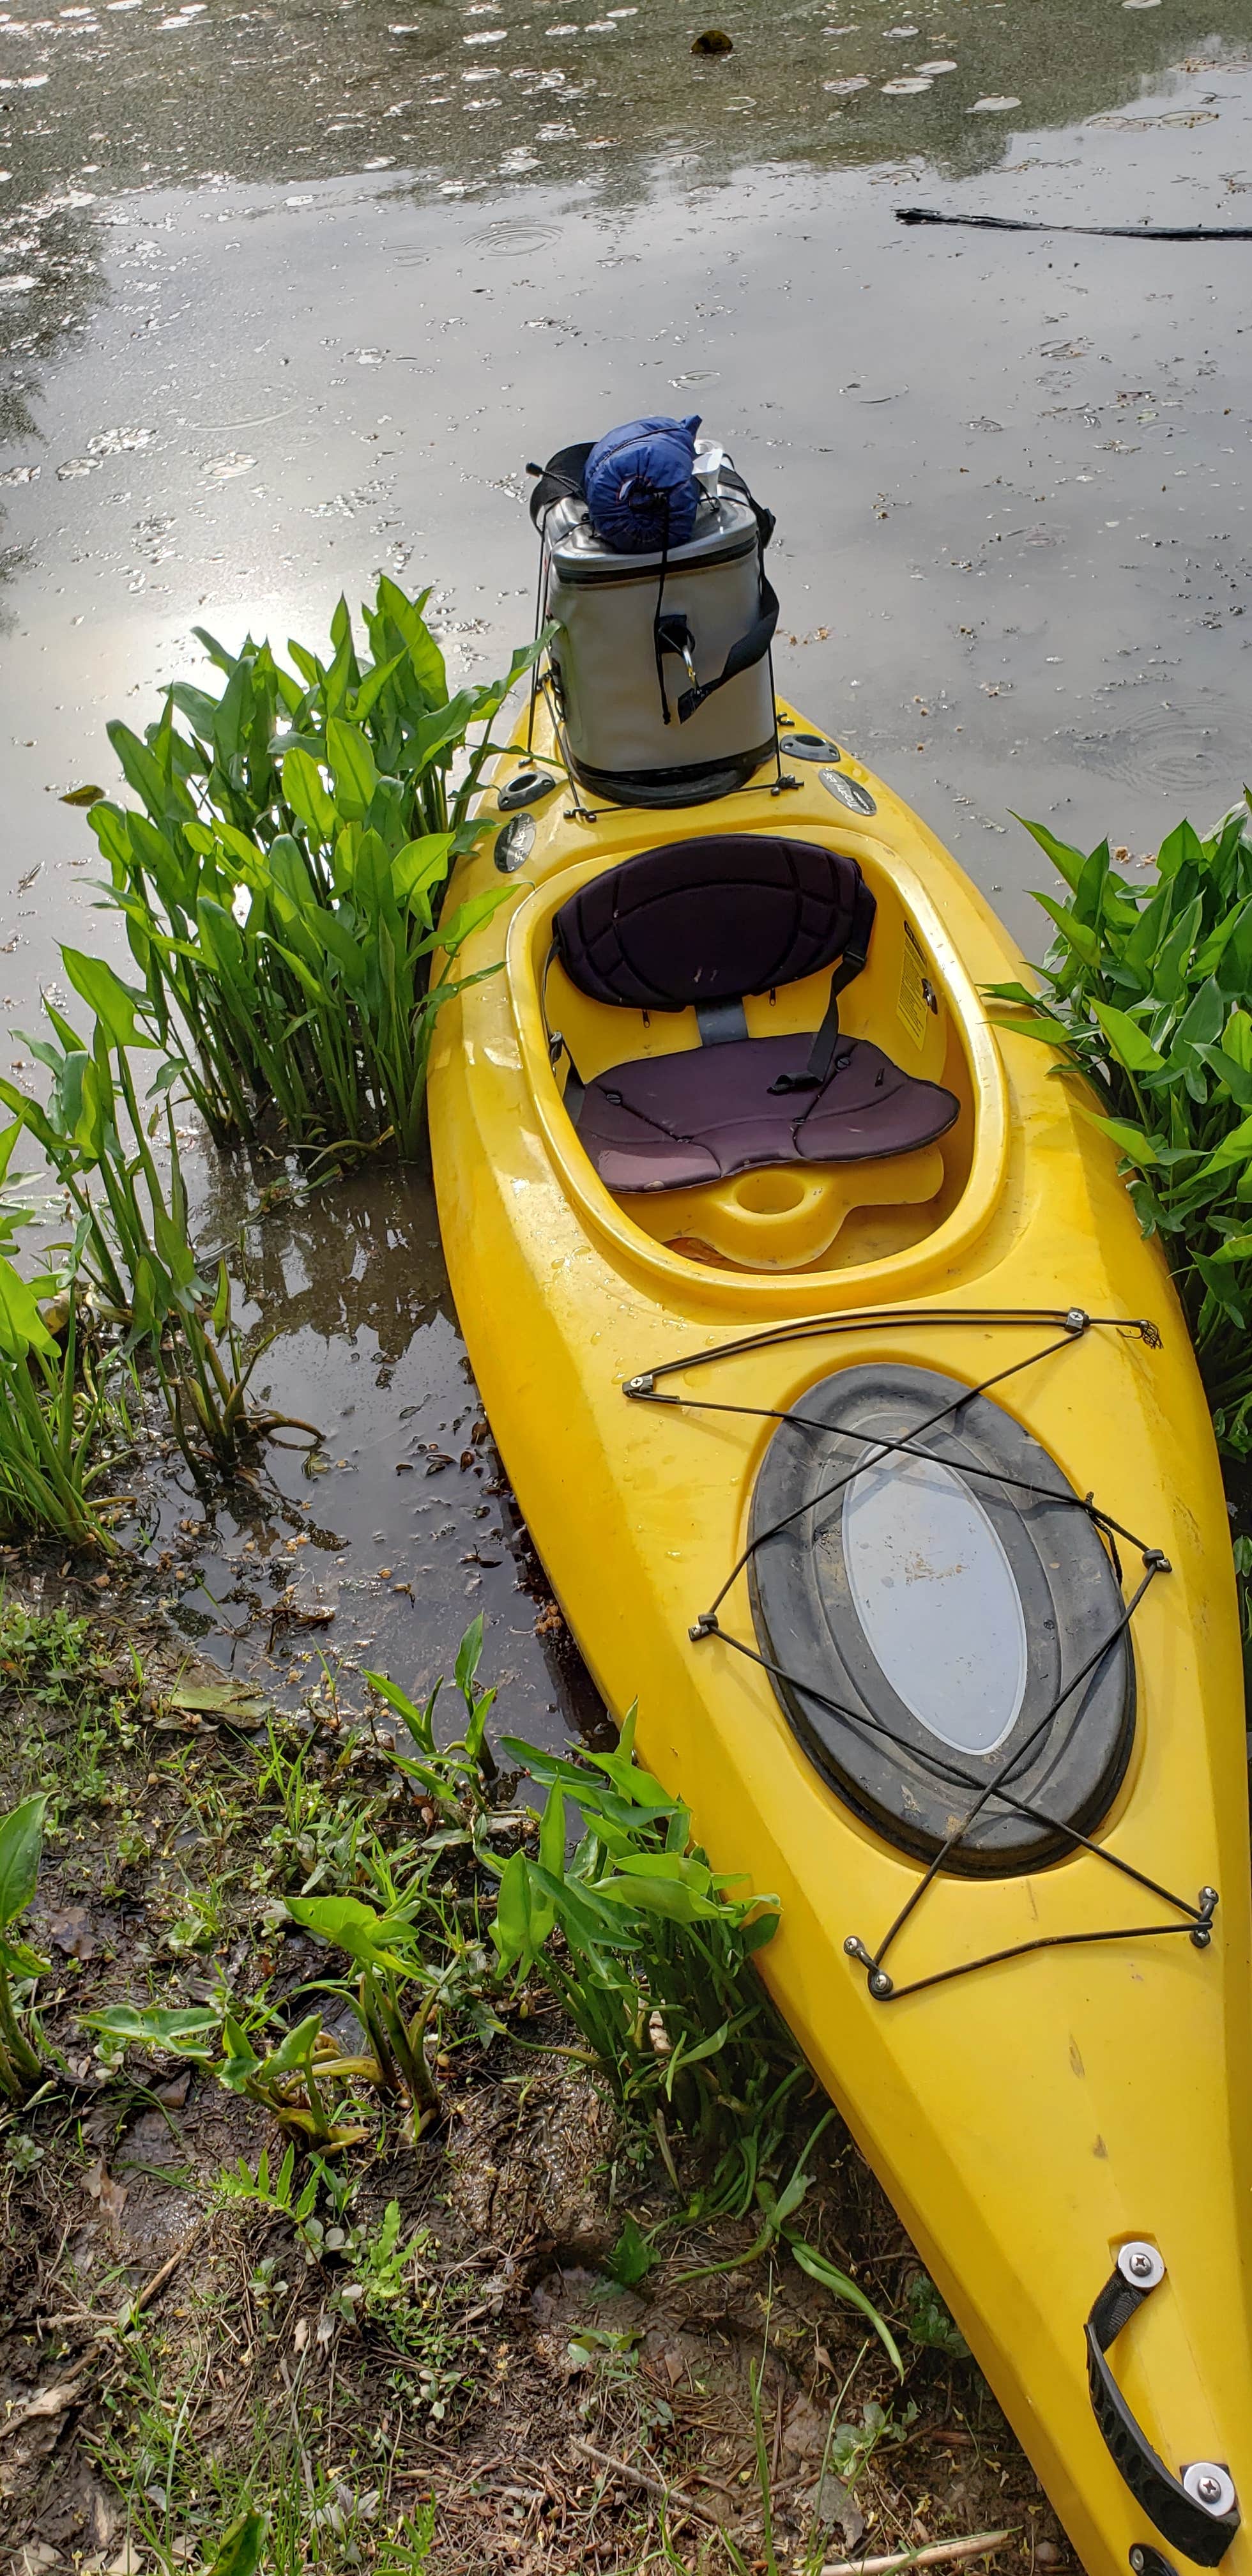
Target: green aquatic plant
<point>296,2079</point>
<point>282,883</point>
<point>384,1949</point>
<point>1147,994</point>
<point>654,1961</point>
<point>22,2066</point>
<point>60,1429</point>
<point>132,1247</point>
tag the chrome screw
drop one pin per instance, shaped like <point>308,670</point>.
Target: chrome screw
<point>1211,2486</point>
<point>1138,2560</point>
<point>1140,2265</point>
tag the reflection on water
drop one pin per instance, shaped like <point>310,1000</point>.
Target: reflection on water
<point>136,93</point>
<point>289,295</point>
<point>376,1552</point>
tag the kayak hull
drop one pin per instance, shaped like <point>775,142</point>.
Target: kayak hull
<point>1029,2118</point>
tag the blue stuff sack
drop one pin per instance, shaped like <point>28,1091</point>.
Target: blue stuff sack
<point>640,485</point>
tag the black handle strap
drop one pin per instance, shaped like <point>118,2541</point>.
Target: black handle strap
<point>750,648</point>
<point>816,1073</point>
<point>1201,2536</point>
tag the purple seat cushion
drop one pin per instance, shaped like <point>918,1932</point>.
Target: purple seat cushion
<point>710,920</point>
<point>669,1122</point>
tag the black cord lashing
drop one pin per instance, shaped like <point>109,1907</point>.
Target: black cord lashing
<point>1196,1919</point>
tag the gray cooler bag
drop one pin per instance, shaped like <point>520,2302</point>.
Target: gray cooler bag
<point>660,666</point>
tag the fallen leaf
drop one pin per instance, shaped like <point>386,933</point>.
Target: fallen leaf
<point>102,2188</point>
<point>73,1932</point>
<point>49,2401</point>
<point>82,796</point>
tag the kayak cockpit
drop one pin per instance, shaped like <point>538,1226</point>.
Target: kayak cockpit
<point>759,1053</point>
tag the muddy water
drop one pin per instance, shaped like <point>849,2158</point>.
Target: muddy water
<point>291,295</point>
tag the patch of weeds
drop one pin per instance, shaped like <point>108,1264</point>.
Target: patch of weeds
<point>929,2322</point>
<point>316,1829</point>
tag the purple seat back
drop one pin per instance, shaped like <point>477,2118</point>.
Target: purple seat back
<point>709,920</point>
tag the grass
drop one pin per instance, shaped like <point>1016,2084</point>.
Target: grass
<point>282,879</point>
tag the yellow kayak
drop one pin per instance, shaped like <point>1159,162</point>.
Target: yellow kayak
<point>860,1435</point>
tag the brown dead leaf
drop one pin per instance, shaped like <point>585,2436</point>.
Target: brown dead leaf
<point>102,2188</point>
<point>73,1932</point>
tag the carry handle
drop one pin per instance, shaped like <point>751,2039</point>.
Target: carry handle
<point>752,647</point>
<point>1202,2530</point>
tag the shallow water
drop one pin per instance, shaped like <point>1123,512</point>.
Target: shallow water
<point>291,295</point>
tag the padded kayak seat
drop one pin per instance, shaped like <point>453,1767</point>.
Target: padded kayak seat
<point>700,924</point>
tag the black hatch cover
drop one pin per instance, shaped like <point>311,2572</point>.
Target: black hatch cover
<point>921,1616</point>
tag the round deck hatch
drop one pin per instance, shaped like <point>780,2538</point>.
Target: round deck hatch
<point>938,1616</point>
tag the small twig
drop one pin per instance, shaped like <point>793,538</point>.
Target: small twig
<point>651,2486</point>
<point>938,2552</point>
<point>152,2289</point>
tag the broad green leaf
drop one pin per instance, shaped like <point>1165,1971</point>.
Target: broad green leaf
<point>632,2257</point>
<point>372,687</point>
<point>1049,1032</point>
<point>1068,862</point>
<point>1129,1044</point>
<point>418,868</point>
<point>424,654</point>
<point>352,767</point>
<point>669,1897</point>
<point>468,917</point>
<point>1234,1148</point>
<point>1011,992</point>
<point>1181,848</point>
<point>349,1925</point>
<point>1131,1141</point>
<point>21,1841</point>
<point>1080,935</point>
<point>1233,1076</point>
<point>525,1913</point>
<point>295,2048</point>
<point>305,791</point>
<point>185,2032</point>
<point>113,1002</point>
<point>240,2550</point>
<point>239,2059</point>
<point>1202,1020</point>
<point>22,1328</point>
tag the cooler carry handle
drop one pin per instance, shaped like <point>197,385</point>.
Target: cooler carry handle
<point>751,647</point>
<point>1199,2513</point>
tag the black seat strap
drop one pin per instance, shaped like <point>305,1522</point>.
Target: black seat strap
<point>822,1053</point>
<point>721,1023</point>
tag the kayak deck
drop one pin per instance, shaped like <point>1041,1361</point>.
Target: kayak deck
<point>1031,2117</point>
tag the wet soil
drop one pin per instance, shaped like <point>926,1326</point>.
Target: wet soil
<point>168,2353</point>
